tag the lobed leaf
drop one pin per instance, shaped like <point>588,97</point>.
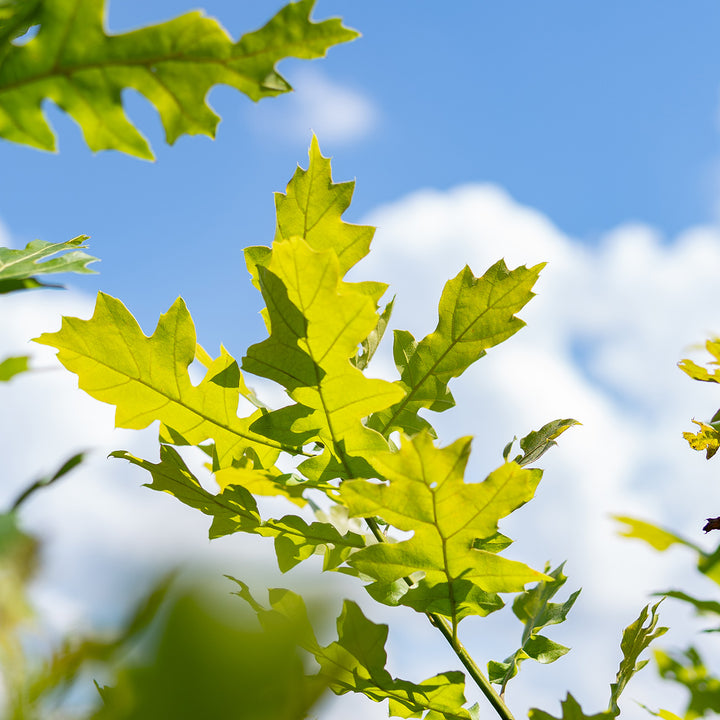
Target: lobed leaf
<point>147,378</point>
<point>426,495</point>
<point>475,314</point>
<point>534,609</point>
<point>356,661</point>
<point>76,64</point>
<point>636,638</point>
<point>18,268</point>
<point>312,208</point>
<point>317,322</point>
<point>235,510</point>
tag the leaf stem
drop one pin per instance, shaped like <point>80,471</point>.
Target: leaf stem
<point>458,648</point>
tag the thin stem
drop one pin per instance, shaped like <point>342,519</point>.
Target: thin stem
<point>458,648</point>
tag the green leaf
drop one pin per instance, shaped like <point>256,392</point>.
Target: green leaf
<point>571,710</point>
<point>369,346</point>
<point>535,444</point>
<point>655,536</point>
<point>475,314</point>
<point>699,373</point>
<point>636,638</point>
<point>534,609</point>
<point>147,378</point>
<point>235,510</point>
<point>689,670</point>
<point>702,607</point>
<point>12,366</point>
<point>426,495</point>
<point>312,208</point>
<point>19,267</point>
<point>70,464</point>
<point>316,323</point>
<point>707,439</point>
<point>356,661</point>
<point>74,63</point>
<point>309,352</point>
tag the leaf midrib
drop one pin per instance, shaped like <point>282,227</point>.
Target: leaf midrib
<point>403,403</point>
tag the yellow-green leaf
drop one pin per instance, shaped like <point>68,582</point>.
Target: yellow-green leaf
<point>475,314</point>
<point>147,379</point>
<point>317,322</point>
<point>76,64</point>
<point>426,495</point>
<point>18,268</point>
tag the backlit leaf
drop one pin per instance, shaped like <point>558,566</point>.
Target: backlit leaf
<point>655,536</point>
<point>534,609</point>
<point>12,366</point>
<point>707,439</point>
<point>147,378</point>
<point>309,352</point>
<point>76,64</point>
<point>636,638</point>
<point>18,268</point>
<point>235,510</point>
<point>475,314</point>
<point>356,661</point>
<point>426,495</point>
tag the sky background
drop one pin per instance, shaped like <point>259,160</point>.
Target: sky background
<point>584,135</point>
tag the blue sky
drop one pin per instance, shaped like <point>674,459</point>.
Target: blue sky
<point>594,115</point>
<point>583,134</point>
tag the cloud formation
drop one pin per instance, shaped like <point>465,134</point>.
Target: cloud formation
<point>336,113</point>
<point>608,325</point>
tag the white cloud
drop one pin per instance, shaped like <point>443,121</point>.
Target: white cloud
<point>604,335</point>
<point>334,112</point>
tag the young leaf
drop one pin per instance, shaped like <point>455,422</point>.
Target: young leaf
<point>636,637</point>
<point>73,62</point>
<point>426,494</point>
<point>474,314</point>
<point>12,366</point>
<point>536,443</point>
<point>147,378</point>
<point>534,609</point>
<point>312,208</point>
<point>356,661</point>
<point>317,322</point>
<point>235,510</point>
<point>19,267</point>
<point>707,439</point>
